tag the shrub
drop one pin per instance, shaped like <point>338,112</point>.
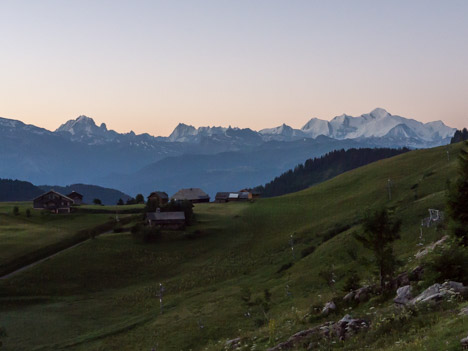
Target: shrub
<point>28,213</point>
<point>118,228</point>
<point>284,267</point>
<point>145,234</point>
<point>307,251</point>
<point>16,210</point>
<point>352,282</point>
<point>448,262</point>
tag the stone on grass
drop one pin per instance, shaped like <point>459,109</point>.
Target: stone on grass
<point>328,308</point>
<point>404,295</point>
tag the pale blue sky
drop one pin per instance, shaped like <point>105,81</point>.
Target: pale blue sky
<point>147,65</point>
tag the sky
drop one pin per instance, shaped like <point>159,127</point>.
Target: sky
<point>148,65</point>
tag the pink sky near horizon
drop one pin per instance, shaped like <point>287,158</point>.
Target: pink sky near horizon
<point>148,65</point>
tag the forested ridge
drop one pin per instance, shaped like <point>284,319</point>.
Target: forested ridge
<point>319,169</point>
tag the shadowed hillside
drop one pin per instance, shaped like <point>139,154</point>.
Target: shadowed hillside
<point>105,293</point>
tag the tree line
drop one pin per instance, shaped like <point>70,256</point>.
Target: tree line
<point>322,168</point>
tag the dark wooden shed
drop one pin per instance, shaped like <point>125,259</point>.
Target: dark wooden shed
<point>168,220</point>
<point>160,197</point>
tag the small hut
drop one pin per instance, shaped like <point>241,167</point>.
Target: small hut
<point>167,220</point>
<point>160,197</point>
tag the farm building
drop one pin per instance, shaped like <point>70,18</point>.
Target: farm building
<point>53,201</point>
<point>194,195</point>
<point>222,197</point>
<point>76,197</point>
<point>169,220</point>
<point>233,196</point>
<point>253,194</point>
<point>159,196</point>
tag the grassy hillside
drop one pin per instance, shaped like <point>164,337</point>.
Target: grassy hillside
<point>104,294</point>
<point>20,234</point>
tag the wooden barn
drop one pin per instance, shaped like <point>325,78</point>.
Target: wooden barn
<point>167,220</point>
<point>194,195</point>
<point>76,197</point>
<point>160,197</point>
<point>53,201</point>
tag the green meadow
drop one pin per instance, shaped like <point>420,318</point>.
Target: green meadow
<point>105,293</point>
<point>20,234</point>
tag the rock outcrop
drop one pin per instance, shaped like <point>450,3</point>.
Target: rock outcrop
<point>404,295</point>
<point>328,308</point>
<point>342,329</point>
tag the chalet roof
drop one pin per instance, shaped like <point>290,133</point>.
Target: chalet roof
<point>166,216</point>
<point>54,192</point>
<point>75,194</point>
<point>233,195</point>
<point>160,194</point>
<point>190,194</point>
<point>222,196</point>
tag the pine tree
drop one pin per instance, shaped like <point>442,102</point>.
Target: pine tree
<point>458,199</point>
<point>140,199</point>
<point>379,232</point>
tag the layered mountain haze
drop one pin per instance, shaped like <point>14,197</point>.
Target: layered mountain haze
<point>79,151</point>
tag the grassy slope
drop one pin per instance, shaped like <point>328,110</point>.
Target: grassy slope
<point>103,294</point>
<point>20,234</point>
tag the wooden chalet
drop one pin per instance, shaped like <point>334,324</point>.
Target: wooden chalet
<point>160,197</point>
<point>167,220</point>
<point>76,197</point>
<point>54,202</point>
<point>194,195</point>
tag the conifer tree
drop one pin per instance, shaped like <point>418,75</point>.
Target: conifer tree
<point>458,199</point>
<point>379,232</point>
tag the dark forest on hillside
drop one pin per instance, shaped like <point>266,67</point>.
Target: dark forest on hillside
<point>460,135</point>
<point>18,190</point>
<point>322,168</point>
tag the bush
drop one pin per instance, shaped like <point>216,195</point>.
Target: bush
<point>448,262</point>
<point>307,251</point>
<point>352,282</point>
<point>145,234</point>
<point>284,267</point>
<point>16,210</point>
<point>118,228</point>
<point>28,213</point>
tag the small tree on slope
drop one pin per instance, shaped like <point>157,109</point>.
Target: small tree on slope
<point>458,199</point>
<point>379,232</point>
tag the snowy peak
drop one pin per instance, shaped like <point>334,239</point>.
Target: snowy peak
<point>183,133</point>
<point>379,113</point>
<point>316,127</point>
<point>84,129</point>
<point>282,133</point>
<point>379,123</point>
<point>80,125</point>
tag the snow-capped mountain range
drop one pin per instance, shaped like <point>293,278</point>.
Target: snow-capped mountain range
<point>377,124</point>
<point>80,151</point>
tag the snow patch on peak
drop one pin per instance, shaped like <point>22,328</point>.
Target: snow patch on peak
<point>316,127</point>
<point>379,113</point>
